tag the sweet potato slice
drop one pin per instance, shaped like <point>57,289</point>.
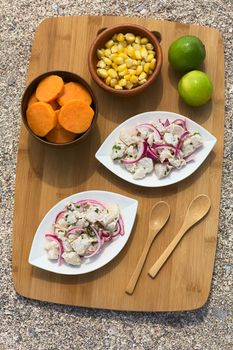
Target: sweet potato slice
<point>32,99</point>
<point>60,135</point>
<point>50,88</point>
<point>41,118</point>
<point>76,116</point>
<point>74,91</point>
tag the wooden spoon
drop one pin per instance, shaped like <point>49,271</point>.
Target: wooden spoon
<point>159,215</point>
<point>197,209</point>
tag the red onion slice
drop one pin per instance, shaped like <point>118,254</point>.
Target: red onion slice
<point>142,146</point>
<point>60,215</point>
<point>181,122</point>
<point>159,146</point>
<point>150,153</point>
<point>150,126</point>
<point>74,229</point>
<point>122,228</point>
<point>180,142</point>
<point>99,244</point>
<point>190,158</point>
<point>166,123</point>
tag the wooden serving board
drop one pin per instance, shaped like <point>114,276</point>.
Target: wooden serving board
<point>45,176</point>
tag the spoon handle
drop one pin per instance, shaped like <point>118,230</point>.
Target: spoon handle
<point>134,278</point>
<point>165,255</point>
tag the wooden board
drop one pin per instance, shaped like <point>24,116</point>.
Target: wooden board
<point>44,176</point>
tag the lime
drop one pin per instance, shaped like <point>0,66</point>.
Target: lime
<point>186,53</point>
<point>195,88</point>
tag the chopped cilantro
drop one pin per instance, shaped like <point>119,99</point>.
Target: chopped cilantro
<point>116,147</point>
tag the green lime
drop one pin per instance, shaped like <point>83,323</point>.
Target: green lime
<point>186,53</point>
<point>195,88</point>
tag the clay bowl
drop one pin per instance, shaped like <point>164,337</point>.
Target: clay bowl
<point>67,77</point>
<point>99,43</point>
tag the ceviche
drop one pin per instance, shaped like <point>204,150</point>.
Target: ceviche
<point>158,146</point>
<point>81,230</point>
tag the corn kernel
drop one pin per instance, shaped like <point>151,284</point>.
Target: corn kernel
<point>107,61</point>
<point>112,73</point>
<point>107,52</point>
<point>130,37</point>
<point>122,82</point>
<point>102,73</point>
<point>101,64</point>
<point>151,52</point>
<point>150,72</point>
<point>109,44</point>
<point>137,39</point>
<point>108,80</point>
<point>132,71</point>
<point>139,70</point>
<point>118,87</point>
<point>138,54</point>
<point>114,66</point>
<point>135,63</point>
<point>149,58</point>
<point>144,41</point>
<point>123,55</point>
<point>127,77</point>
<point>100,53</point>
<point>123,73</point>
<point>129,85</point>
<point>152,63</point>
<point>131,51</point>
<point>142,76</point>
<point>120,48</point>
<point>114,49</point>
<point>124,44</point>
<point>136,46</point>
<point>129,62</point>
<point>134,79</point>
<point>118,60</point>
<point>149,46</point>
<point>114,38</point>
<point>122,67</point>
<point>112,56</point>
<point>120,37</point>
<point>113,82</point>
<point>143,81</point>
<point>146,67</point>
<point>144,52</point>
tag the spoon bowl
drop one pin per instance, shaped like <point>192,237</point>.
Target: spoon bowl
<point>197,209</point>
<point>159,215</point>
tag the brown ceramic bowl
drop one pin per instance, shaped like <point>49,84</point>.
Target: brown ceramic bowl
<point>67,77</point>
<point>100,42</point>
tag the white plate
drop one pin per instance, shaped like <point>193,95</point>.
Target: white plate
<point>104,152</point>
<point>38,256</point>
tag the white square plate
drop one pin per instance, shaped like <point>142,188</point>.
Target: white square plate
<point>38,256</point>
<point>104,152</point>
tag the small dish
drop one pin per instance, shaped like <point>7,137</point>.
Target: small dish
<point>38,256</point>
<point>107,34</point>
<point>67,77</point>
<point>103,155</point>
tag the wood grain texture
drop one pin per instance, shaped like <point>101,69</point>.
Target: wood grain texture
<point>44,176</point>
